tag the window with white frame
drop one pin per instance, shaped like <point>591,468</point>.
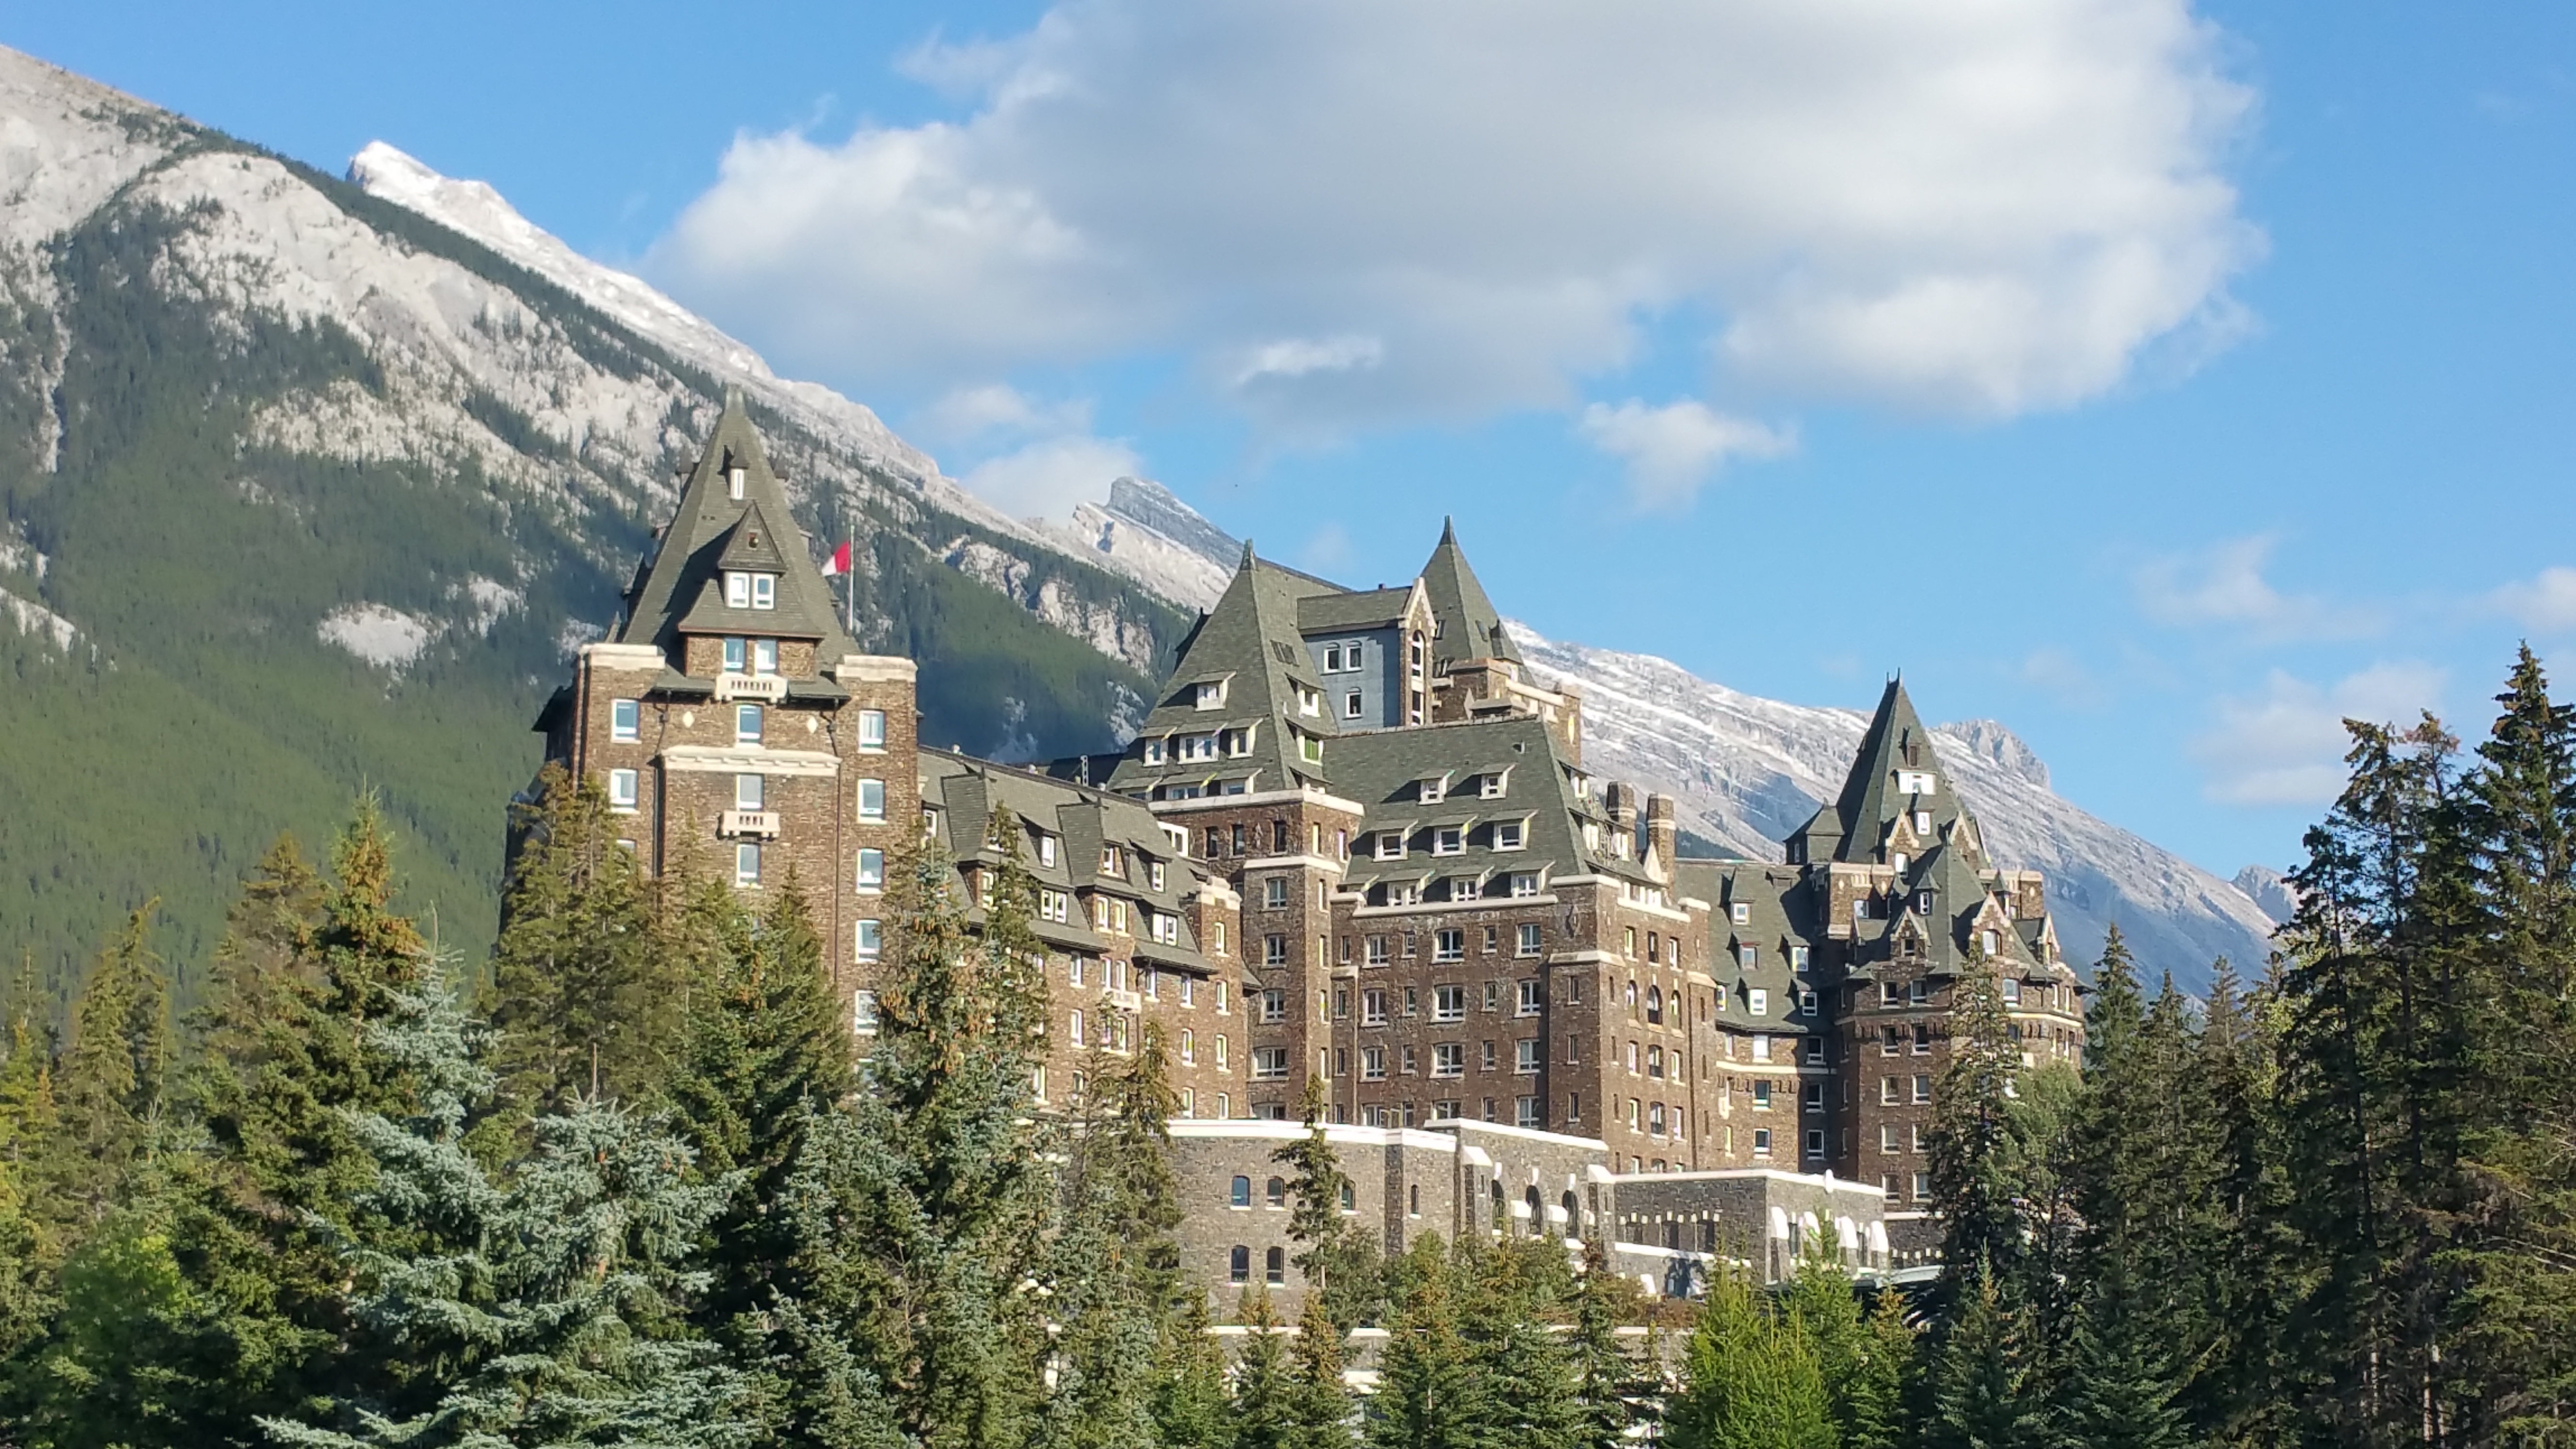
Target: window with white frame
<point>1757,1002</point>
<point>749,791</point>
<point>863,1012</point>
<point>1510,834</point>
<point>1529,939</point>
<point>1524,883</point>
<point>764,591</point>
<point>1448,840</point>
<point>746,724</point>
<point>1269,1064</point>
<point>1449,1059</point>
<point>1525,1054</point>
<point>1198,747</point>
<point>1448,1003</point>
<point>872,799</point>
<point>1210,694</point>
<point>869,940</point>
<point>1373,1064</point>
<point>1450,945</point>
<point>1390,845</point>
<point>1761,1047</point>
<point>1532,995</point>
<point>1274,892</point>
<point>737,655</point>
<point>764,656</point>
<point>737,591</point>
<point>871,875</point>
<point>1153,751</point>
<point>1167,928</point>
<point>623,788</point>
<point>1351,705</point>
<point>625,721</point>
<point>1434,789</point>
<point>872,735</point>
<point>746,864</point>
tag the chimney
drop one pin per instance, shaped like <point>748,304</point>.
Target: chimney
<point>1621,798</point>
<point>1663,827</point>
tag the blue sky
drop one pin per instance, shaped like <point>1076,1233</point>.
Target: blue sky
<point>2229,392</point>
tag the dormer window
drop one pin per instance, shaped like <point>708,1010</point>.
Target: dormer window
<point>1153,752</point>
<point>1491,786</point>
<point>764,591</point>
<point>750,591</point>
<point>1309,701</point>
<point>1914,782</point>
<point>1109,864</point>
<point>1434,789</point>
<point>1210,694</point>
<point>1923,824</point>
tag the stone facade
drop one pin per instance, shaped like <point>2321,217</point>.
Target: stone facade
<point>1354,846</point>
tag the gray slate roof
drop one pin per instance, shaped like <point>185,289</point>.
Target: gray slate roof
<point>680,588</point>
<point>1470,626</point>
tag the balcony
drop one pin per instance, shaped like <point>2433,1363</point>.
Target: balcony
<point>747,822</point>
<point>769,687</point>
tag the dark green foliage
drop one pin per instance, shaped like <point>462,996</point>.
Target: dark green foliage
<point>1750,1378</point>
<point>198,559</point>
<point>1607,1376</point>
<point>1191,1410</point>
<point>1429,1393</point>
<point>1334,1253</point>
<point>1860,1359</point>
<point>1265,1386</point>
<point>1983,1392</point>
<point>586,995</point>
<point>115,1069</point>
<point>1970,1142</point>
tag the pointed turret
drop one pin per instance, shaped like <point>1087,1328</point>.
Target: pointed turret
<point>1470,627</point>
<point>1895,775</point>
<point>1242,703</point>
<point>733,520</point>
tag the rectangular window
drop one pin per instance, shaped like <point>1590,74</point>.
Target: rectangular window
<point>872,729</point>
<point>1531,994</point>
<point>1525,1055</point>
<point>746,864</point>
<point>1390,845</point>
<point>1923,1090</point>
<point>1274,893</point>
<point>625,721</point>
<point>1529,938</point>
<point>1761,1096</point>
<point>1761,1141</point>
<point>736,655</point>
<point>1922,1187</point>
<point>1274,1004</point>
<point>1449,945</point>
<point>622,789</point>
<point>869,941</point>
<point>746,724</point>
<point>1449,840</point>
<point>1373,1007</point>
<point>1274,950</point>
<point>1377,951</point>
<point>1815,1142</point>
<point>1372,1064</point>
<point>737,591</point>
<point>1269,1064</point>
<point>764,656</point>
<point>1220,1051</point>
<point>1757,1001</point>
<point>863,1012</point>
<point>1525,1111</point>
<point>872,804</point>
<point>1761,1047</point>
<point>1507,835</point>
<point>748,792</point>
<point>1449,1059</point>
<point>1448,1003</point>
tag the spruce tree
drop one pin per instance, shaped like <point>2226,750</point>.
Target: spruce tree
<point>1861,1372</point>
<point>933,1203</point>
<point>1528,1385</point>
<point>265,952</point>
<point>1429,1395</point>
<point>1750,1378</point>
<point>586,997</point>
<point>1265,1386</point>
<point>1320,1412</point>
<point>763,1041</point>
<point>1191,1410</point>
<point>1982,1393</point>
<point>2121,1386</point>
<point>1334,1254</point>
<point>112,1086</point>
<point>1606,1375</point>
<point>1970,1141</point>
<point>540,1312</point>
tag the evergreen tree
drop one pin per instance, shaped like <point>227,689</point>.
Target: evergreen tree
<point>586,999</point>
<point>1861,1371</point>
<point>1429,1395</point>
<point>2120,1388</point>
<point>930,1203</point>
<point>28,1251</point>
<point>763,1043</point>
<point>1750,1378</point>
<point>1190,1404</point>
<point>1970,1137</point>
<point>1335,1255</point>
<point>1606,1375</point>
<point>543,1312</point>
<point>111,1090</point>
<point>266,950</point>
<point>2236,1397</point>
<point>1265,1387</point>
<point>1528,1383</point>
<point>1982,1393</point>
<point>1320,1412</point>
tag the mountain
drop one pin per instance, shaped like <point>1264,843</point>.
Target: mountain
<point>308,485</point>
<point>306,489</point>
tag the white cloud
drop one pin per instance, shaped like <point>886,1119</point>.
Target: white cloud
<point>1345,211</point>
<point>968,413</point>
<point>2285,745</point>
<point>2545,605</point>
<point>1671,450</point>
<point>1047,478</point>
<point>2224,585</point>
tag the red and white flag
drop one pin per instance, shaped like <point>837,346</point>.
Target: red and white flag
<point>839,563</point>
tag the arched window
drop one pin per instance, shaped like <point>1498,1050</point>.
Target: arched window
<point>1531,1198</point>
<point>1239,1264</point>
<point>1275,1192</point>
<point>1573,1212</point>
<point>1413,1200</point>
<point>1655,1004</point>
<point>1242,1195</point>
<point>1274,1267</point>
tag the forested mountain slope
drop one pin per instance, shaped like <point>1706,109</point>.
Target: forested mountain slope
<point>301,493</point>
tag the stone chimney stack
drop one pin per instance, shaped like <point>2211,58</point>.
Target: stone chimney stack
<point>1621,799</point>
<point>1663,828</point>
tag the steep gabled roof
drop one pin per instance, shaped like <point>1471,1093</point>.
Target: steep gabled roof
<point>680,588</point>
<point>1895,745</point>
<point>1250,640</point>
<point>1469,625</point>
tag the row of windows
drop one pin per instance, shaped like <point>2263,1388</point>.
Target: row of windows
<point>751,792</point>
<point>626,716</point>
<point>1526,1112</point>
<point>1512,834</point>
<point>1448,1002</point>
<point>1448,1059</point>
<point>1239,840</point>
<point>1448,944</point>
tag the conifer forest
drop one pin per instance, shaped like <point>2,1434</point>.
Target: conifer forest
<point>626,1182</point>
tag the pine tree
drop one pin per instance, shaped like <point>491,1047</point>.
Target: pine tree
<point>763,1042</point>
<point>29,1252</point>
<point>1528,1385</point>
<point>1750,1378</point>
<point>1320,1407</point>
<point>1335,1256</point>
<point>1861,1372</point>
<point>115,1069</point>
<point>1429,1395</point>
<point>586,997</point>
<point>1606,1375</point>
<point>1190,1404</point>
<point>2120,1387</point>
<point>1970,1137</point>
<point>1982,1393</point>
<point>266,951</point>
<point>542,1312</point>
<point>931,1204</point>
<point>1265,1387</point>
<point>2238,1396</point>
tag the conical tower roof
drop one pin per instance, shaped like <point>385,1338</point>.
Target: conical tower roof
<point>1470,626</point>
<point>680,589</point>
<point>1895,772</point>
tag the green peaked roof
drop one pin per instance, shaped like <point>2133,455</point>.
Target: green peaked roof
<point>1250,642</point>
<point>680,588</point>
<point>1896,744</point>
<point>1470,626</point>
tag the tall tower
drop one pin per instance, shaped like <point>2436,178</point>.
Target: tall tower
<point>736,728</point>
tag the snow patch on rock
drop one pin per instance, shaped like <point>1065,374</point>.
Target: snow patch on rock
<point>385,637</point>
<point>34,618</point>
